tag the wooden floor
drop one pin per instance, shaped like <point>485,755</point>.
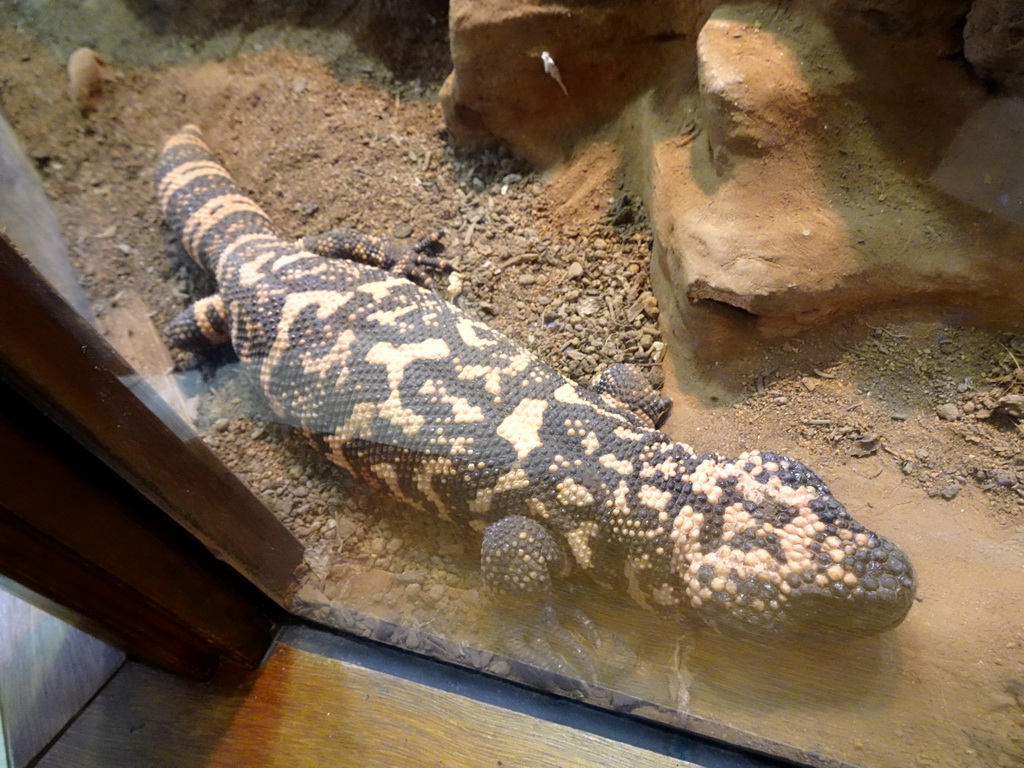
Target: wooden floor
<point>48,671</point>
<point>304,709</point>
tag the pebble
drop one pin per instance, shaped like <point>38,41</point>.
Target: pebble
<point>85,78</point>
<point>1006,478</point>
<point>452,550</point>
<point>339,571</point>
<point>500,668</point>
<point>948,412</point>
<point>434,593</point>
<point>1011,405</point>
<point>574,271</point>
<point>866,445</point>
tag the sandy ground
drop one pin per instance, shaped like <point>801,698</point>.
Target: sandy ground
<point>562,265</point>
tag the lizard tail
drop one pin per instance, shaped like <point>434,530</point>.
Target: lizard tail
<point>201,201</point>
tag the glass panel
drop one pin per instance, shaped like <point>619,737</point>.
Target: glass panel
<point>846,347</point>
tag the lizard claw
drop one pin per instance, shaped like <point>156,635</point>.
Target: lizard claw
<point>430,244</point>
<point>417,262</point>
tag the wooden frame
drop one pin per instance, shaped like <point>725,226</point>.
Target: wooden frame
<point>111,507</point>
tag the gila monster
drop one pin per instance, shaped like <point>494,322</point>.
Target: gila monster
<point>347,342</point>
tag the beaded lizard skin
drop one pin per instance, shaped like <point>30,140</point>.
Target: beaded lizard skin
<point>410,395</point>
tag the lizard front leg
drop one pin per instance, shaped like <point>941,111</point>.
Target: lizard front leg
<point>412,262</point>
<point>519,560</point>
<point>624,386</point>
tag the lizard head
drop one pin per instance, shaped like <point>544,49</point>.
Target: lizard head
<point>763,548</point>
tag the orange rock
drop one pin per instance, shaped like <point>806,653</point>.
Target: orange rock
<point>506,55</point>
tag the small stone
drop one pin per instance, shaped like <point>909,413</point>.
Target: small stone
<point>457,549</point>
<point>949,492</point>
<point>574,271</point>
<point>809,384</point>
<point>1005,478</point>
<point>500,667</point>
<point>434,593</point>
<point>401,232</point>
<point>866,445</point>
<point>1011,406</point>
<point>86,75</point>
<point>310,594</point>
<point>948,412</point>
<point>527,279</point>
<point>345,528</point>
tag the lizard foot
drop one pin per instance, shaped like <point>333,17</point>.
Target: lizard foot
<point>540,638</point>
<point>417,262</point>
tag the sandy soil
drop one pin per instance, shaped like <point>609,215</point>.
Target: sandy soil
<point>901,415</point>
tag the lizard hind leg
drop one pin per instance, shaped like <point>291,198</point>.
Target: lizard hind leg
<point>412,262</point>
<point>626,387</point>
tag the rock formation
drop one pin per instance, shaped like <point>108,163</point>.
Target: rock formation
<point>606,53</point>
<point>797,162</point>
